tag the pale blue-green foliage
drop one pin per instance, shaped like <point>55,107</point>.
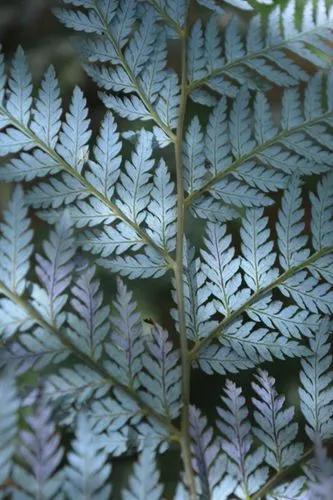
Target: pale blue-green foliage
<point>144,481</point>
<point>87,473</point>
<point>8,423</point>
<point>276,429</point>
<point>237,440</point>
<point>316,391</point>
<point>15,244</point>
<point>40,450</point>
<point>254,291</point>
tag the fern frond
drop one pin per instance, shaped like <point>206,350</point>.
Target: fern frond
<point>105,169</point>
<point>207,461</point>
<point>197,310</point>
<point>54,272</point>
<point>87,474</point>
<point>46,115</point>
<point>289,227</point>
<point>161,376</point>
<point>144,481</point>
<point>88,324</point>
<point>263,158</point>
<point>161,218</point>
<point>193,156</point>
<point>134,186</point>
<point>15,244</point>
<point>33,350</point>
<point>274,424</point>
<point>266,56</point>
<point>258,257</point>
<point>20,89</point>
<point>237,442</point>
<point>126,346</point>
<point>8,423</point>
<point>316,391</point>
<point>222,269</point>
<point>41,454</point>
<point>75,132</point>
<point>290,321</point>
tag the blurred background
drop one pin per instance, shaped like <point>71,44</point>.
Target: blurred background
<point>31,24</point>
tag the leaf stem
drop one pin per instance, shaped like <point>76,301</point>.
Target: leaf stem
<point>178,270</point>
<point>216,332</point>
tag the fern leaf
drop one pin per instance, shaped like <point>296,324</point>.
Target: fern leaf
<point>237,441</point>
<point>274,424</point>
<point>12,319</point>
<point>28,166</point>
<point>20,88</point>
<point>162,209</point>
<point>221,269</point>
<point>131,108</point>
<point>56,193</point>
<point>71,388</point>
<point>46,122</point>
<point>75,132</point>
<point>309,293</point>
<point>167,104</point>
<point>193,156</point>
<point>141,44</point>
<point>105,170</point>
<point>87,474</point>
<point>126,344</point>
<point>240,125</point>
<point>258,257</point>
<point>15,244</point>
<point>41,453</point>
<point>289,227</point>
<point>33,350</point>
<point>134,187</point>
<point>263,122</point>
<point>197,310</point>
<point>222,360</point>
<point>161,376</point>
<point>78,20</point>
<point>89,324</point>
<point>322,214</point>
<point>207,462</point>
<point>152,79</point>
<point>217,146</point>
<point>260,344</point>
<point>117,415</point>
<point>196,53</point>
<point>54,272</point>
<point>293,490</point>
<point>316,393</point>
<point>239,194</point>
<point>8,423</point>
<point>290,321</point>
<point>142,265</point>
<point>144,481</point>
<point>111,240</point>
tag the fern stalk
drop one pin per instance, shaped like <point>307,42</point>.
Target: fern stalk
<point>179,271</point>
